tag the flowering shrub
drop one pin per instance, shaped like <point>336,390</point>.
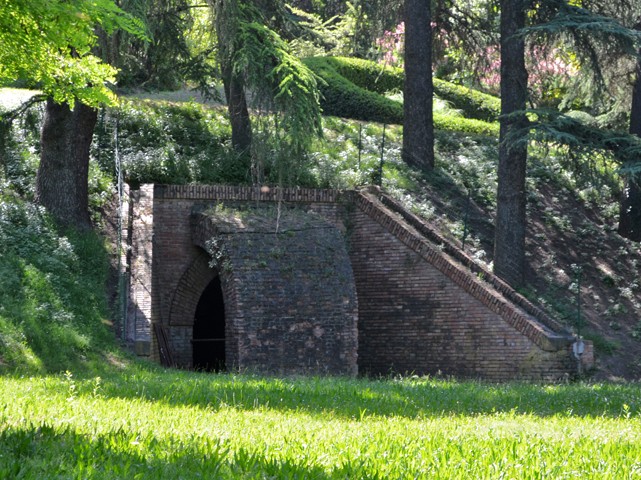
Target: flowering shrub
<point>549,73</point>
<point>391,46</point>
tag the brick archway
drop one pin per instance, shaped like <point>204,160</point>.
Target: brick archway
<point>189,289</point>
<point>184,302</point>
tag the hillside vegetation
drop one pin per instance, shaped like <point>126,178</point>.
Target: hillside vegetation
<point>572,213</point>
<point>74,405</point>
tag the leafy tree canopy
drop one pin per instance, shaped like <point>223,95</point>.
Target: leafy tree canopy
<point>48,45</point>
<point>581,135</point>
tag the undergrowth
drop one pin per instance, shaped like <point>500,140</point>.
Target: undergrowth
<point>188,142</point>
<point>53,306</point>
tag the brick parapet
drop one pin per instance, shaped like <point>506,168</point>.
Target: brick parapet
<point>246,194</point>
<point>465,260</point>
<point>543,337</point>
<point>413,318</point>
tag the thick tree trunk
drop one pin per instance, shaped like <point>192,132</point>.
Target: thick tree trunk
<point>509,240</point>
<point>62,178</point>
<point>630,207</point>
<point>241,131</point>
<point>418,126</point>
<point>226,14</point>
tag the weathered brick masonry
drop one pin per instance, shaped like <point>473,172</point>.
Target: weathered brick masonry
<point>295,302</point>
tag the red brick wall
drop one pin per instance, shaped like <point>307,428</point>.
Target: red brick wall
<point>413,318</point>
<point>419,309</point>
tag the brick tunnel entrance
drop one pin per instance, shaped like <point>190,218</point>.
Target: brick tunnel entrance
<point>209,330</point>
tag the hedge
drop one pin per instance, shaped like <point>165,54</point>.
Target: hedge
<point>343,98</point>
<point>472,103</point>
<point>382,79</point>
<point>353,88</point>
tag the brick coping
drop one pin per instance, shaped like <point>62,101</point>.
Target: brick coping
<point>464,259</point>
<point>243,193</point>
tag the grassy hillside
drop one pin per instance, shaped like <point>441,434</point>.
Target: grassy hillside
<point>53,305</point>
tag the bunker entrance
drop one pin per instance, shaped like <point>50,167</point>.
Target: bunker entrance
<point>209,330</point>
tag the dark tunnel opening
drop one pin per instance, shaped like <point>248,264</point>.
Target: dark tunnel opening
<point>209,330</point>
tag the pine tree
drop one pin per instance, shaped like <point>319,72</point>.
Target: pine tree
<point>509,241</point>
<point>630,208</point>
<point>418,129</point>
<point>254,56</point>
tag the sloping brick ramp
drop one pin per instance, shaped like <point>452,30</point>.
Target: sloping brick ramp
<point>466,342</point>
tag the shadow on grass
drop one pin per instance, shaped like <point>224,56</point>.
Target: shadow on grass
<point>358,398</point>
<point>47,452</point>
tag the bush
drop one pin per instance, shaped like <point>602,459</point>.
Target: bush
<point>368,75</point>
<point>341,97</point>
<point>353,88</point>
<point>472,103</point>
<point>382,79</point>
<point>161,142</point>
<point>472,126</point>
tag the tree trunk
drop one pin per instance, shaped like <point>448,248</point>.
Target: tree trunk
<point>418,126</point>
<point>630,207</point>
<point>509,240</point>
<point>241,130</point>
<point>62,178</point>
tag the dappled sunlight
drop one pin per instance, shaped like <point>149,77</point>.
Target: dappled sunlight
<point>344,398</point>
<point>155,424</point>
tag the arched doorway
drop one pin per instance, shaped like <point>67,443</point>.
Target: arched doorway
<point>209,329</point>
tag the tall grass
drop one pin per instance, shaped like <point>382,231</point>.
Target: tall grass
<point>145,423</point>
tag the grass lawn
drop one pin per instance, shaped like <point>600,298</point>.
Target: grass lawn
<point>141,422</point>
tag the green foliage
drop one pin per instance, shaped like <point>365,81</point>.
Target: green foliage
<point>19,151</point>
<point>52,300</point>
<point>322,37</point>
<point>586,32</point>
<point>342,98</point>
<point>336,162</point>
<point>161,142</point>
<point>181,49</point>
<point>383,79</point>
<point>465,125</point>
<point>368,74</point>
<point>473,104</point>
<point>48,45</point>
<point>583,139</point>
<point>280,80</point>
